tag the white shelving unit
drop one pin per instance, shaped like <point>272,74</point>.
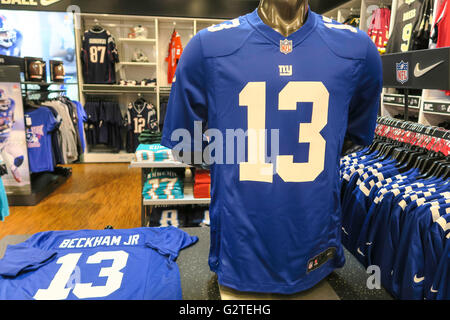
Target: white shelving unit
<point>362,7</point>
<point>159,32</point>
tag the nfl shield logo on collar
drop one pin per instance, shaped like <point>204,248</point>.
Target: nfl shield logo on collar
<point>402,72</point>
<point>286,46</point>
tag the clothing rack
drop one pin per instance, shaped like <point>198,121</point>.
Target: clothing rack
<point>434,139</point>
<point>432,131</point>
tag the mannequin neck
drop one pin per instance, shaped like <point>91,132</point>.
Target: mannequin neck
<point>284,16</point>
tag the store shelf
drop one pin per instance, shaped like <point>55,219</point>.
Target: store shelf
<point>188,199</point>
<point>136,40</point>
<point>48,83</point>
<point>160,164</point>
<point>113,88</point>
<point>165,90</point>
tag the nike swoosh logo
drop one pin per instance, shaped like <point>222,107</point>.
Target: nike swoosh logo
<point>418,72</point>
<point>46,3</point>
<point>418,280</point>
<point>432,290</point>
<point>344,231</point>
<point>368,243</point>
<point>360,252</point>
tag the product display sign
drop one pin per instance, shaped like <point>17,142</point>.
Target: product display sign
<point>13,146</point>
<point>421,69</point>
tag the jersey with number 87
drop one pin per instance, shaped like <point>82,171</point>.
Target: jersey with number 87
<point>275,207</point>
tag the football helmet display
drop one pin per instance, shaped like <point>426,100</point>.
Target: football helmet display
<point>57,71</point>
<point>35,69</point>
<point>8,35</point>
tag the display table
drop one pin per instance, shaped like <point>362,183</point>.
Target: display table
<point>199,283</point>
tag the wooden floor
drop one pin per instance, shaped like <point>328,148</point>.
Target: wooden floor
<point>96,195</point>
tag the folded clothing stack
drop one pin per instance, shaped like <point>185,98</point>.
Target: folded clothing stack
<point>149,137</point>
<point>164,184</point>
<point>153,153</point>
<point>202,184</point>
<point>180,216</point>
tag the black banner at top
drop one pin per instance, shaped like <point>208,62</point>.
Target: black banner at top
<point>219,9</point>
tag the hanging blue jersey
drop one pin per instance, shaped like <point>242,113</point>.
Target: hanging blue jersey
<point>409,274</point>
<point>433,247</point>
<point>132,264</point>
<point>440,289</point>
<point>39,139</point>
<point>275,207</point>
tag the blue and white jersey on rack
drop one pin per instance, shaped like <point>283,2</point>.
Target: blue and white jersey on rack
<point>433,247</point>
<point>408,270</point>
<point>441,286</point>
<point>243,76</point>
<point>393,230</point>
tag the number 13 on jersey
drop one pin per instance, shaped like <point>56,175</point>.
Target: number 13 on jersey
<point>253,96</point>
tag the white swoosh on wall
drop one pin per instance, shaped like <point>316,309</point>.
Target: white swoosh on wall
<point>46,3</point>
<point>420,72</point>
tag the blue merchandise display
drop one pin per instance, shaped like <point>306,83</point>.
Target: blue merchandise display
<point>275,223</point>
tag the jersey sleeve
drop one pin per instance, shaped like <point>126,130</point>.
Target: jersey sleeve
<point>169,241</point>
<point>51,123</point>
<point>188,101</point>
<point>366,99</point>
<point>22,258</point>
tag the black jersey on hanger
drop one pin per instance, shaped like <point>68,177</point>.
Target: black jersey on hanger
<point>99,55</point>
<point>408,15</point>
<point>141,115</point>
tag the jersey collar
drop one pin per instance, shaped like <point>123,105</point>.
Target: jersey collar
<point>297,37</point>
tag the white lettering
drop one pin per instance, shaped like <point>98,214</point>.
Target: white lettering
<point>72,243</point>
<point>106,241</point>
<point>79,245</point>
<point>97,241</point>
<point>116,240</point>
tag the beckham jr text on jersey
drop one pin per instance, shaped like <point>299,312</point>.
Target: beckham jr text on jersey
<point>275,225</point>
